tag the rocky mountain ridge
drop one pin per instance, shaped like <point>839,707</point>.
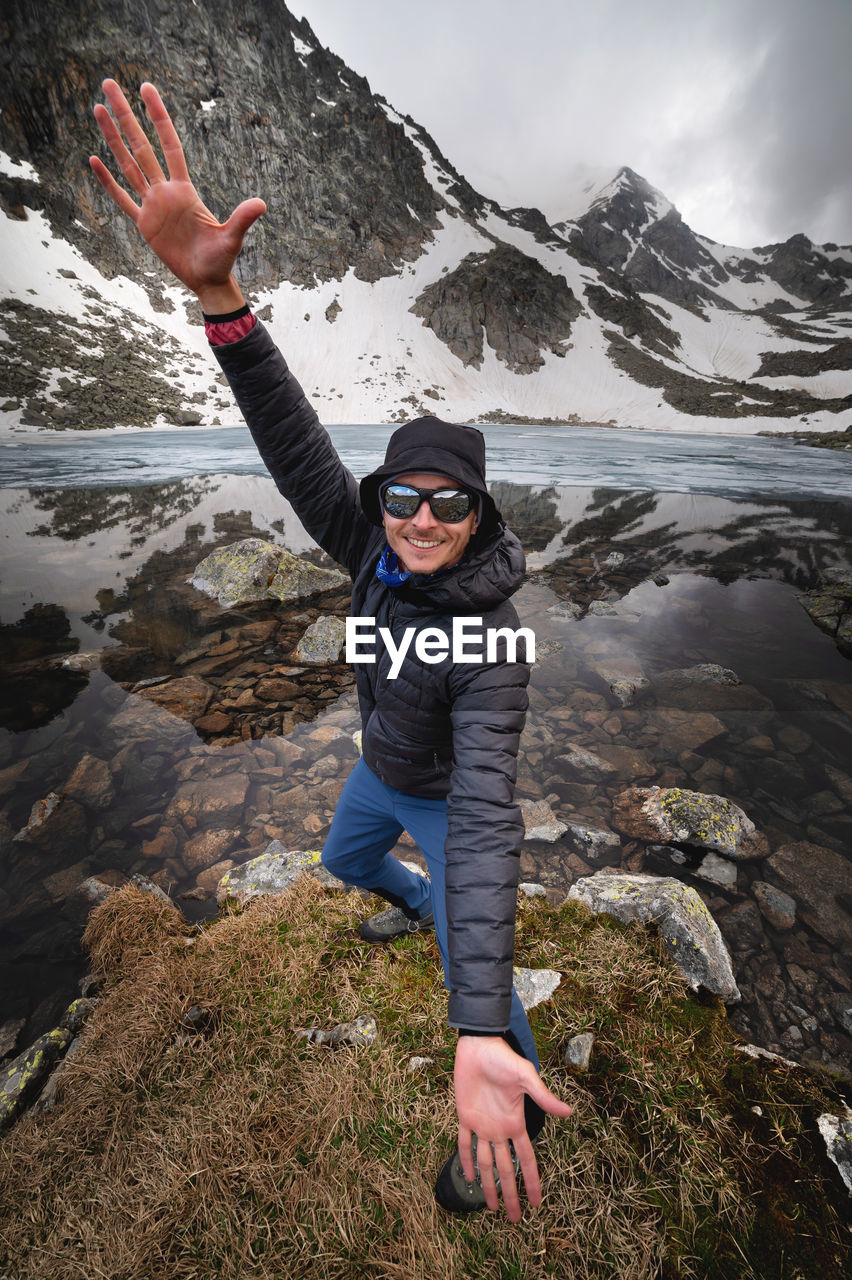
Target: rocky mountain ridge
<point>389,280</point>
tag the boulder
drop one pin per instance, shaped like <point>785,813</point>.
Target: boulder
<point>258,570</point>
<point>362,1030</point>
<point>239,573</point>
<point>676,816</point>
<point>540,822</point>
<point>815,877</point>
<point>273,872</point>
<point>689,932</point>
<point>322,642</point>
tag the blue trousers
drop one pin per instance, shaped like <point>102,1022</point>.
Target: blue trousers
<point>368,821</point>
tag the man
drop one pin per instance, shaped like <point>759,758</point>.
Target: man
<point>425,545</point>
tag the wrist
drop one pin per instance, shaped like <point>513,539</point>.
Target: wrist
<point>220,299</point>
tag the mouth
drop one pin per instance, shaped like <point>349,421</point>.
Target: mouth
<point>421,544</point>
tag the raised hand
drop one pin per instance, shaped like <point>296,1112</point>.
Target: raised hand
<point>490,1083</point>
<point>170,214</point>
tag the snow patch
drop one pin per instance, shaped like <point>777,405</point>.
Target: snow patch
<point>305,50</point>
<point>17,168</point>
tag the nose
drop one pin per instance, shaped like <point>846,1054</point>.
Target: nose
<point>423,517</point>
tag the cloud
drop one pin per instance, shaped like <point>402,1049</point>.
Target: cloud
<point>739,110</point>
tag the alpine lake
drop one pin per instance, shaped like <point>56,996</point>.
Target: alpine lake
<point>691,599</point>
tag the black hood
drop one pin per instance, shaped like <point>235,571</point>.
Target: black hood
<point>429,444</point>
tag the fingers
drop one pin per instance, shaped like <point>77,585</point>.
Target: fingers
<point>124,159</point>
<point>466,1153</point>
<point>136,137</point>
<point>113,190</point>
<point>166,132</point>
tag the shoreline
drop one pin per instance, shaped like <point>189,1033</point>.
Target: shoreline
<point>11,436</point>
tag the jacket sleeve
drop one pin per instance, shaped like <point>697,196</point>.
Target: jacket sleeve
<point>485,829</point>
<point>295,448</point>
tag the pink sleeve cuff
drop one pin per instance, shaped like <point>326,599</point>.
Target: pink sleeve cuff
<point>224,331</point>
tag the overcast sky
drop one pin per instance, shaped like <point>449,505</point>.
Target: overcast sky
<point>740,111</point>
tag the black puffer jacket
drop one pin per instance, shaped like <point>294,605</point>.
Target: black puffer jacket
<point>443,729</point>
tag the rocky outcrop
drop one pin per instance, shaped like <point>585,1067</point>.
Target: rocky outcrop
<point>689,932</point>
<point>830,606</point>
<point>506,299</point>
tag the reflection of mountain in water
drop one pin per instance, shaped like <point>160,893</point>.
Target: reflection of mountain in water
<point>607,541</point>
<point>141,510</point>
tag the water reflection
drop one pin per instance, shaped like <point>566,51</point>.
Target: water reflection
<point>199,740</point>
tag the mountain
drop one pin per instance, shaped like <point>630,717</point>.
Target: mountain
<point>391,284</point>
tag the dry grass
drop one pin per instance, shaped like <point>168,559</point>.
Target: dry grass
<point>243,1151</point>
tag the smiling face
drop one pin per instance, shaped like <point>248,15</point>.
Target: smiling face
<point>424,544</point>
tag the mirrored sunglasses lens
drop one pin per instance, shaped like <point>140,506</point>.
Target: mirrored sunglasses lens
<point>400,501</point>
<point>451,505</point>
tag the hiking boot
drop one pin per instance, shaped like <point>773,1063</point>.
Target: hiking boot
<point>455,1194</point>
<point>393,923</point>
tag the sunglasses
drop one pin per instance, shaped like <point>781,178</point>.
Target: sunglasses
<point>450,506</point>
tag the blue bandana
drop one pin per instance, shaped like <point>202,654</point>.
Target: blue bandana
<point>388,569</point>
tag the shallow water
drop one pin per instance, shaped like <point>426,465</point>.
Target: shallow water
<point>116,558</point>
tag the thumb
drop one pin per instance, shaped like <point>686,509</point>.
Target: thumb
<point>548,1101</point>
<point>244,216</point>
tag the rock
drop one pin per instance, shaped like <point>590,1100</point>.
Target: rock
<point>566,609</point>
<point>363,1030</point>
<point>815,877</point>
<point>91,783</point>
<point>187,697</point>
<point>274,689</point>
<point>146,885</point>
<point>203,803</point>
<point>578,1051</point>
<point>207,847</point>
<point>208,879</point>
<point>776,907</point>
<point>216,722</point>
<point>534,986</point>
<point>592,842</point>
<point>837,1133</point>
<point>676,816</point>
<point>296,579</point>
<point>24,1078</point>
<point>418,1064</point>
<point>717,870</point>
<point>540,822</point>
<point>56,823</point>
<point>91,892</point>
<point>239,573</point>
<point>585,764</point>
<point>689,932</point>
<point>273,871</point>
<point>322,642</point>
<point>532,890</point>
<point>9,1032</point>
<point>741,927</point>
<point>254,569</point>
<point>683,730</point>
<point>625,678</point>
<point>703,673</point>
